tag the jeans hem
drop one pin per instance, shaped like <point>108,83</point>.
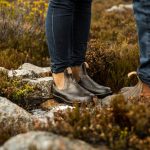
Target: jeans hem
<point>143,79</point>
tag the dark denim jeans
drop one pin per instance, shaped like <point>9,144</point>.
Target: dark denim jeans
<point>67,30</point>
<point>142,14</point>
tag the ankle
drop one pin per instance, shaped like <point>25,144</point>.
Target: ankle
<point>75,72</point>
<point>146,90</point>
<point>59,80</point>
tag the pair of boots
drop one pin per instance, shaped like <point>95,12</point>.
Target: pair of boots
<point>78,87</point>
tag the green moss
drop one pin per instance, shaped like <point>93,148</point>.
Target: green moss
<point>14,89</point>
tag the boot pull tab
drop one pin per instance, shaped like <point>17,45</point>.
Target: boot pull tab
<point>133,73</point>
<point>68,75</point>
<point>86,64</point>
<point>84,68</point>
<point>69,71</point>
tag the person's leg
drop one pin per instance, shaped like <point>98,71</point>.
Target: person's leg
<point>58,31</point>
<point>59,24</point>
<point>81,27</point>
<point>142,88</point>
<point>142,15</point>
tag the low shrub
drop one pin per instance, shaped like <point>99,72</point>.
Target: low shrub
<point>120,127</point>
<point>113,49</point>
<point>22,28</point>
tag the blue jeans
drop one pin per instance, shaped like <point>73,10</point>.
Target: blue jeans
<point>67,31</point>
<point>142,14</point>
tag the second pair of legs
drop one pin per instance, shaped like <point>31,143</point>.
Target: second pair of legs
<point>67,30</point>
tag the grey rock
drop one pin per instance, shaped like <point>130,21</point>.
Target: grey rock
<point>35,69</point>
<point>44,115</point>
<point>28,70</point>
<point>15,120</point>
<point>44,141</point>
<point>42,91</point>
<point>20,73</point>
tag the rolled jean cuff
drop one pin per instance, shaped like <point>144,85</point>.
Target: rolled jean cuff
<point>58,68</point>
<point>77,63</point>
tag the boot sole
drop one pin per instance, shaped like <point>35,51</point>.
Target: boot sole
<point>60,99</point>
<point>103,95</point>
<point>63,100</point>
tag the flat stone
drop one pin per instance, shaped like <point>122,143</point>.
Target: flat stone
<point>28,70</point>
<point>20,73</point>
<point>37,70</point>
<point>45,141</point>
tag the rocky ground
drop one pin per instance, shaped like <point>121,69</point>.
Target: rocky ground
<point>15,120</point>
<point>26,129</point>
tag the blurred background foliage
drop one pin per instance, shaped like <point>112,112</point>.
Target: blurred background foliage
<point>112,50</point>
<point>22,30</point>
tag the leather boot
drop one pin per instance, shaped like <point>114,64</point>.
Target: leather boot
<point>72,92</point>
<point>90,85</point>
<point>129,93</point>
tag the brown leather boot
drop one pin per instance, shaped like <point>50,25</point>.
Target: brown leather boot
<point>72,91</point>
<point>129,93</point>
<point>87,83</point>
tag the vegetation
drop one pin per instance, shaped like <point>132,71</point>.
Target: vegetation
<point>113,48</point>
<point>22,30</point>
<point>120,127</point>
<point>15,89</point>
<point>113,39</point>
<point>112,53</point>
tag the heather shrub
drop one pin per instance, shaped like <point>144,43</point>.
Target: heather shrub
<point>112,51</point>
<point>113,48</point>
<point>120,127</point>
<point>22,28</point>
